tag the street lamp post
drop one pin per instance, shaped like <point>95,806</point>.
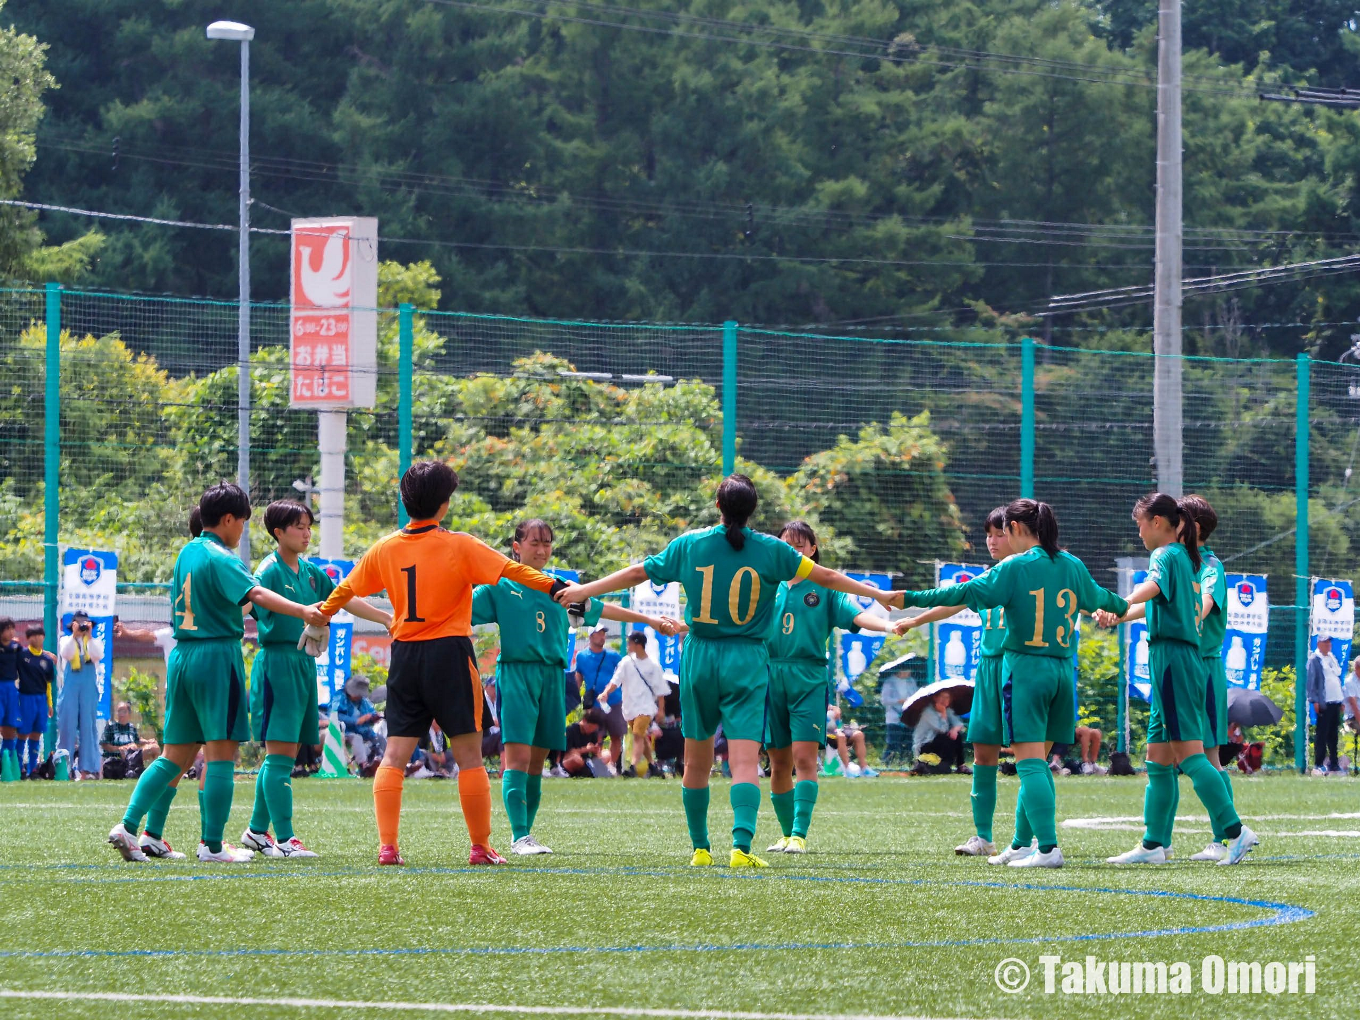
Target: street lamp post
<point>236,32</point>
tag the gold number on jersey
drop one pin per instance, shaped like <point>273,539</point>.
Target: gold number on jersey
<point>706,597</point>
<point>1038,640</point>
<point>734,597</point>
<point>788,623</point>
<point>1067,602</point>
<point>542,623</point>
<point>186,593</point>
<point>1199,608</point>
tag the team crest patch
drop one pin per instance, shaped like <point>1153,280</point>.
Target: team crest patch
<point>90,569</point>
<point>812,600</point>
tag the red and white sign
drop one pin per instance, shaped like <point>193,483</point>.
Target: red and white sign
<point>333,330</point>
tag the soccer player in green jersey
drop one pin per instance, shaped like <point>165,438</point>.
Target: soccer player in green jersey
<point>205,683</point>
<point>1178,722</point>
<point>1041,588</point>
<point>283,708</point>
<point>731,576</point>
<point>985,731</point>
<point>536,643</point>
<point>805,614</point>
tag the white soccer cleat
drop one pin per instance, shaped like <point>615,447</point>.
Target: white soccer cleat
<point>261,842</point>
<point>126,843</point>
<point>853,771</point>
<point>294,848</point>
<point>227,855</point>
<point>778,847</point>
<point>153,847</point>
<point>1039,859</point>
<point>527,846</point>
<point>796,845</point>
<point>976,846</point>
<point>1139,855</point>
<point>1012,853</point>
<point>1238,848</point>
<point>1212,852</point>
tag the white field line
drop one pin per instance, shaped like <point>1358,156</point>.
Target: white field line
<point>439,1007</point>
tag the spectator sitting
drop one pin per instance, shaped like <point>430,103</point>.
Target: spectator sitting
<point>491,721</point>
<point>597,665</point>
<point>583,745</point>
<point>1088,740</point>
<point>358,716</point>
<point>843,737</point>
<point>644,694</point>
<point>436,757</point>
<point>123,747</point>
<point>940,732</point>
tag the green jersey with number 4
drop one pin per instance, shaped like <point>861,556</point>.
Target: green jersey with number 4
<point>210,587</point>
<point>1173,615</point>
<point>533,627</point>
<point>729,593</point>
<point>1040,594</point>
<point>805,615</point>
<point>308,584</point>
<point>1214,627</point>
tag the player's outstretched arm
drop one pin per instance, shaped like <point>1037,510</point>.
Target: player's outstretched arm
<point>660,624</point>
<point>923,619</point>
<point>628,577</point>
<point>867,621</point>
<point>837,581</point>
<point>366,610</point>
<point>276,603</point>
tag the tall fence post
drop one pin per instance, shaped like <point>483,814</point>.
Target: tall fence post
<point>1302,596</point>
<point>405,358</point>
<point>729,397</point>
<point>1027,417</point>
<point>52,462</point>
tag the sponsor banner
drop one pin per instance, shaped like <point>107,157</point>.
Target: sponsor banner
<point>1248,621</point>
<point>958,640</point>
<point>858,650</point>
<point>333,666</point>
<point>1137,672</point>
<point>333,327</point>
<point>659,600</point>
<point>1333,616</point>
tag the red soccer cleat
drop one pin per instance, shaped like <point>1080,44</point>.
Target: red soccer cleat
<point>387,854</point>
<point>484,855</point>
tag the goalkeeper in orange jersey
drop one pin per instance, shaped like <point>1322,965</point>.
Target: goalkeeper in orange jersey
<point>429,574</point>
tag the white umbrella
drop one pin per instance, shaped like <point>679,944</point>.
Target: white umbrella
<point>960,699</point>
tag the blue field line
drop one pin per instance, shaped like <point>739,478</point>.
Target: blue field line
<point>1280,913</point>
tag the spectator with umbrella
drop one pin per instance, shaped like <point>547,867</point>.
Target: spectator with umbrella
<point>934,711</point>
<point>1248,708</point>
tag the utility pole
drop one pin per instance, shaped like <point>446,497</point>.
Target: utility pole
<point>1166,321</point>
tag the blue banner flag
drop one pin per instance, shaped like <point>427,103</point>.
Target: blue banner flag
<point>1248,620</point>
<point>858,650</point>
<point>1137,672</point>
<point>958,640</point>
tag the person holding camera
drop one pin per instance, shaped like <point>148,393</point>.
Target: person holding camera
<point>78,703</point>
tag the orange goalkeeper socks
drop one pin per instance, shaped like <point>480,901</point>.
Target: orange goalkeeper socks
<point>387,803</point>
<point>474,791</point>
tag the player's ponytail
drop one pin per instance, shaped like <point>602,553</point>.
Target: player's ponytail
<point>1038,519</point>
<point>1159,504</point>
<point>737,500</point>
<point>803,530</point>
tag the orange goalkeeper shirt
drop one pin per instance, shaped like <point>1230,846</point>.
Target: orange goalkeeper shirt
<point>429,574</point>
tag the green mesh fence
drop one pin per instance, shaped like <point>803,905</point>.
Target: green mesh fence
<point>615,433</point>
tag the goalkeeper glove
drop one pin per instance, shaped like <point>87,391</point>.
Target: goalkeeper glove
<point>314,640</point>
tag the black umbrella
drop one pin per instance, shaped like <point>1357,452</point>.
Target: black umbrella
<point>960,699</point>
<point>1251,708</point>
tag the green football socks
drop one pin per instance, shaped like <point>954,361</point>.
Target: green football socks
<point>1024,832</point>
<point>1037,793</point>
<point>218,786</point>
<point>984,799</point>
<point>783,810</point>
<point>1209,789</point>
<point>513,786</point>
<point>804,800</point>
<point>533,794</point>
<point>1159,804</point>
<point>259,812</point>
<point>696,816</point>
<point>278,795</point>
<point>160,774</point>
<point>155,818</point>
<point>745,798</point>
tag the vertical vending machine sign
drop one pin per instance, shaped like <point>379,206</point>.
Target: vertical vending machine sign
<point>333,327</point>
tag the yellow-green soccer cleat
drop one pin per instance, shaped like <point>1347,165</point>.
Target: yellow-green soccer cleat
<point>796,845</point>
<point>780,847</point>
<point>741,859</point>
<point>701,857</point>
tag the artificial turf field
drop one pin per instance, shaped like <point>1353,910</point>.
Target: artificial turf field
<point>879,918</point>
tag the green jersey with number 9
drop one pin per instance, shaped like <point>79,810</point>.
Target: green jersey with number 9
<point>729,593</point>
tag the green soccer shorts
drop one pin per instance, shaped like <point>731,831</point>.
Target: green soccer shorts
<point>1179,690</point>
<point>1037,702</point>
<point>283,696</point>
<point>723,680</point>
<point>205,692</point>
<point>799,694</point>
<point>533,704</point>
<point>1215,702</point>
<point>985,725</point>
